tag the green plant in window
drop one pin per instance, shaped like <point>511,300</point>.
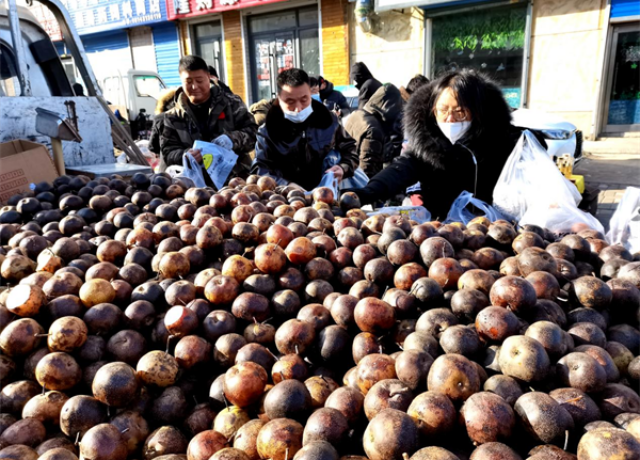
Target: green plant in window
<point>489,30</point>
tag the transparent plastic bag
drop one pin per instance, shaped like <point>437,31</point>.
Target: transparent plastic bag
<point>532,190</point>
<point>530,178</point>
<point>359,179</point>
<point>460,209</point>
<point>328,180</point>
<point>192,169</point>
<point>624,227</point>
<point>418,213</point>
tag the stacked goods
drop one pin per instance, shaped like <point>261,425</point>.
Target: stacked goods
<point>147,319</point>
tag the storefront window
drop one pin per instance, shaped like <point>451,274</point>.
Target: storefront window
<point>207,40</point>
<point>491,40</point>
<point>281,41</point>
<point>624,101</point>
<point>309,51</point>
<point>273,22</point>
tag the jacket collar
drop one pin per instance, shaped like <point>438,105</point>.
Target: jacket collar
<point>183,106</point>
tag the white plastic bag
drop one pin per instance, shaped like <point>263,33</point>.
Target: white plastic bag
<point>530,177</point>
<point>532,190</point>
<point>460,211</point>
<point>192,169</point>
<point>624,227</point>
<point>418,213</point>
<point>218,161</point>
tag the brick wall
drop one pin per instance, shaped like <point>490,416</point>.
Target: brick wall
<point>234,60</point>
<point>335,41</point>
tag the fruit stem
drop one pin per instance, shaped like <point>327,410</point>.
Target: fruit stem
<point>41,335</point>
<point>168,342</point>
<point>405,456</point>
<point>566,439</point>
<point>77,438</point>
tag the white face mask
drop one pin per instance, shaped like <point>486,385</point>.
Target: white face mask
<point>454,131</point>
<point>297,117</point>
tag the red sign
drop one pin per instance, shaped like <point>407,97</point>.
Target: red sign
<point>179,9</point>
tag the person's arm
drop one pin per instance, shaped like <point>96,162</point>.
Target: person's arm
<point>371,150</point>
<point>264,164</point>
<point>403,172</point>
<point>245,128</point>
<point>346,146</point>
<point>171,147</point>
<point>343,104</point>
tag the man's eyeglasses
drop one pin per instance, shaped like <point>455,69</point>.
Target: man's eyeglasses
<point>457,114</point>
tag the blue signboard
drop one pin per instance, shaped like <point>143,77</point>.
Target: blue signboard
<point>91,16</point>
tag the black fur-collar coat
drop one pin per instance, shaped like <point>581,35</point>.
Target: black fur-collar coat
<point>444,170</point>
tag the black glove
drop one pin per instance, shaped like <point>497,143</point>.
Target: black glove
<point>366,195</point>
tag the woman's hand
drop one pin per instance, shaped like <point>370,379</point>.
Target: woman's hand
<point>337,171</point>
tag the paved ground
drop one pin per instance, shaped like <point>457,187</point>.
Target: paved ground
<point>612,174</point>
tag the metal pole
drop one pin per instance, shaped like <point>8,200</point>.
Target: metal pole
<point>74,44</point>
<point>58,157</point>
<point>18,47</point>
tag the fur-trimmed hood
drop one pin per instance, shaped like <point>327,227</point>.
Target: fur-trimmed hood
<point>165,101</point>
<point>427,142</point>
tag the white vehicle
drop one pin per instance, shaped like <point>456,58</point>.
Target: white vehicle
<point>37,101</point>
<point>136,90</point>
<point>561,136</point>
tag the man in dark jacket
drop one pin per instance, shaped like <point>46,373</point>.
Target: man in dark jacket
<point>204,112</point>
<point>364,81</point>
<point>377,129</point>
<point>459,136</point>
<point>297,136</point>
<point>332,99</point>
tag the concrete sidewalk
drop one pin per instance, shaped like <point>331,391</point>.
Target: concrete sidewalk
<point>612,174</point>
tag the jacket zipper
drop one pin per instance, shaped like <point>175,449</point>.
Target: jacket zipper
<point>475,164</point>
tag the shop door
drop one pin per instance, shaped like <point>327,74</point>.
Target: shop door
<point>623,85</point>
<point>208,44</point>
<point>273,54</point>
<point>282,41</point>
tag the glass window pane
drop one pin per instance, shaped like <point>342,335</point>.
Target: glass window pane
<point>148,86</point>
<point>9,83</point>
<point>308,17</point>
<point>263,69</point>
<point>207,30</point>
<point>624,104</point>
<point>273,22</point>
<point>490,40</point>
<point>285,58</point>
<point>310,51</point>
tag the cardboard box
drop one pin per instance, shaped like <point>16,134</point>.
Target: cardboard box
<point>22,165</point>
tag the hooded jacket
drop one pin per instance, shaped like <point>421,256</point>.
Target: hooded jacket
<point>333,99</point>
<point>376,129</point>
<point>295,152</point>
<point>260,109</point>
<point>445,170</point>
<point>365,82</point>
<point>165,102</point>
<point>226,115</point>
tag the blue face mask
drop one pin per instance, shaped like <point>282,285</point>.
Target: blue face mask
<point>316,97</point>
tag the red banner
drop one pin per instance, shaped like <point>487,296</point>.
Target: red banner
<point>179,9</point>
